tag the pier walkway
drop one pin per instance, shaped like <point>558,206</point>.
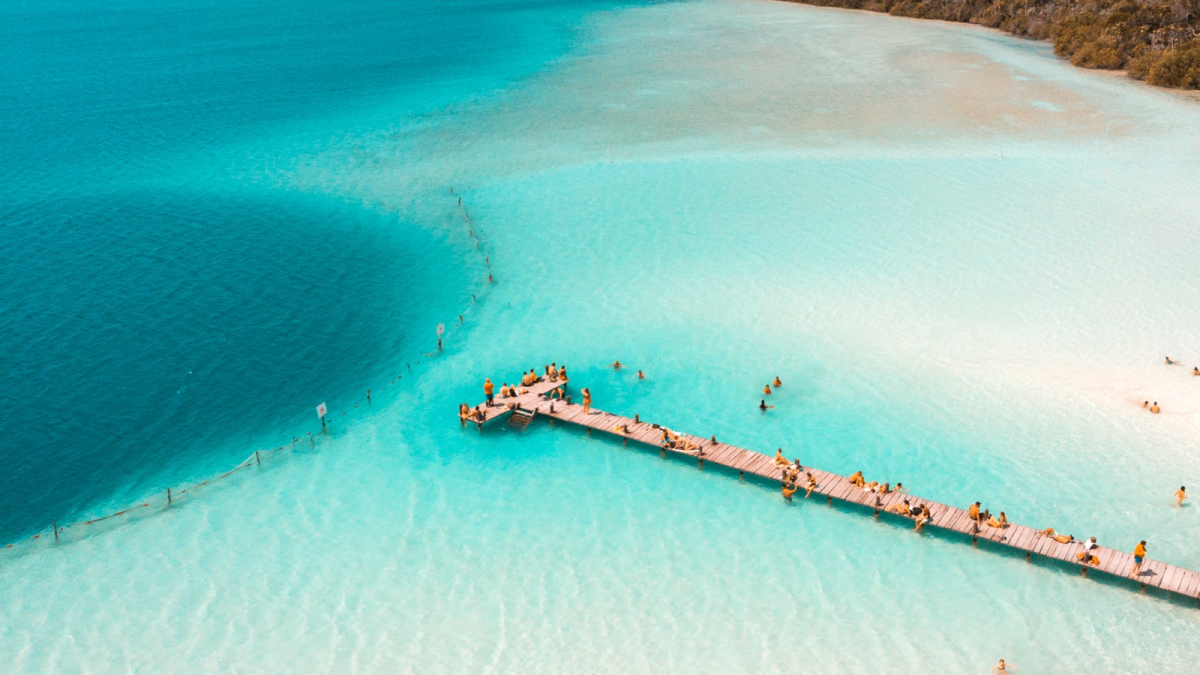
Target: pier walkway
<point>1154,574</point>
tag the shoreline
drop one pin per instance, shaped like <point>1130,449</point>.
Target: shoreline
<point>1124,73</point>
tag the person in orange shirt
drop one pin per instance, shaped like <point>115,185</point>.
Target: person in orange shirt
<point>1180,496</point>
<point>767,390</point>
<point>778,383</point>
<point>489,388</point>
<point>1154,408</point>
<point>1139,556</point>
<point>789,489</point>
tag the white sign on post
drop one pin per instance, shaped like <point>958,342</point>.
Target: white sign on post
<point>321,411</point>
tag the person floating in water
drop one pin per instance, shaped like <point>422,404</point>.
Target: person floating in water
<point>641,375</point>
<point>1195,371</point>
<point>777,383</point>
<point>1155,409</point>
<point>789,489</point>
<point>999,669</point>
<point>616,365</point>
<point>1169,361</point>
<point>767,390</point>
<point>1180,496</point>
<point>762,405</point>
<point>1145,404</point>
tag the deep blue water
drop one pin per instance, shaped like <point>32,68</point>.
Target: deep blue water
<point>163,304</point>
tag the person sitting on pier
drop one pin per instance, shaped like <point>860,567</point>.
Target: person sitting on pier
<point>780,460</point>
<point>793,473</point>
<point>762,405</point>
<point>1086,554</point>
<point>478,414</point>
<point>552,374</point>
<point>873,486</point>
<point>921,516</point>
<point>464,410</point>
<point>998,523</point>
<point>529,378</point>
<point>777,383</point>
<point>562,372</point>
<point>857,479</point>
<point>788,489</point>
<point>973,512</point>
<point>1180,496</point>
<point>901,508</point>
<point>810,484</point>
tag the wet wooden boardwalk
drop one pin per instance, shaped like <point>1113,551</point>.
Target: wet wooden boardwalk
<point>1154,574</point>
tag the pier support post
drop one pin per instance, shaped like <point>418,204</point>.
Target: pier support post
<point>741,475</point>
<point>636,419</point>
<point>56,530</point>
<point>1028,556</point>
<point>829,499</point>
<point>701,463</point>
<point>256,459</point>
<point>168,496</point>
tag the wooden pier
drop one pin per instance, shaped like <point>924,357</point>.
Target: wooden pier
<point>536,401</point>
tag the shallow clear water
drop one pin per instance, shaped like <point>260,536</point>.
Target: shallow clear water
<point>965,259</point>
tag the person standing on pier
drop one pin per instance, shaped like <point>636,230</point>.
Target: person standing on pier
<point>489,389</point>
<point>1139,556</point>
<point>587,401</point>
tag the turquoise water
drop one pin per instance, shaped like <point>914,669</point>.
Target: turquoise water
<point>964,258</point>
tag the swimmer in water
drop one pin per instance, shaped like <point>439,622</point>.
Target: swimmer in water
<point>1195,371</point>
<point>762,405</point>
<point>999,669</point>
<point>1180,496</point>
<point>641,375</point>
<point>767,390</point>
<point>777,383</point>
<point>1154,408</point>
<point>788,490</point>
<point>1145,404</point>
<point>1169,361</point>
<point>616,365</point>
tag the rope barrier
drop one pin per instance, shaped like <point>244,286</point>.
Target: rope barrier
<point>174,495</point>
